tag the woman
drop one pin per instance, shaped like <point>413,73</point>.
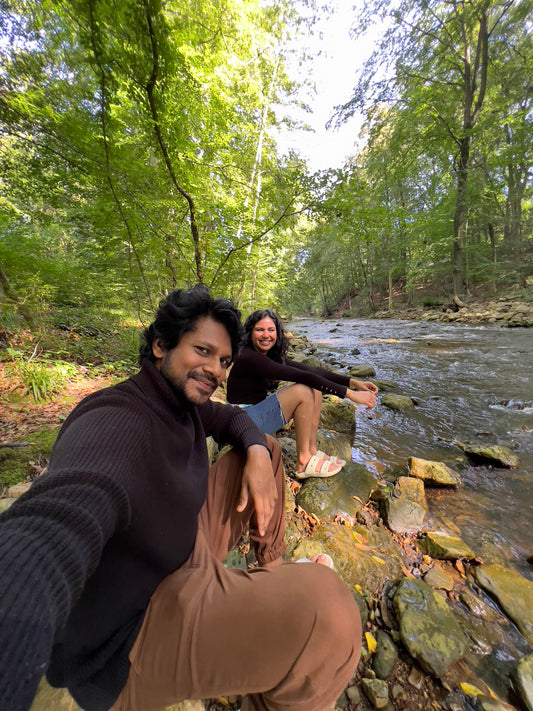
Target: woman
<point>263,361</point>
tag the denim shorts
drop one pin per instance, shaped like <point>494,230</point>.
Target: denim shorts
<point>267,414</point>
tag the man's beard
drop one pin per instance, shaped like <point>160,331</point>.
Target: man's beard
<point>179,385</point>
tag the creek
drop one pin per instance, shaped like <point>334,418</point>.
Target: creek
<point>470,383</point>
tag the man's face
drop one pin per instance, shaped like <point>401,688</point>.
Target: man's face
<point>198,364</point>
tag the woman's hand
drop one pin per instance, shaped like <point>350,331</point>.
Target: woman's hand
<point>362,397</point>
<point>358,385</point>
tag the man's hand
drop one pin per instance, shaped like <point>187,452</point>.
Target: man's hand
<point>258,483</point>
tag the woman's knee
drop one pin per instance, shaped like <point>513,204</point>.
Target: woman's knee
<point>294,396</point>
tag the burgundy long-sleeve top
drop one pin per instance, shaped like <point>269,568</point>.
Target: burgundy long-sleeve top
<point>253,374</point>
<point>84,549</point>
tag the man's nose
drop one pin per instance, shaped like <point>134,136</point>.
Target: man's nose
<point>214,367</point>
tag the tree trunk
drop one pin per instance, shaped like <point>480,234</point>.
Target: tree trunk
<point>474,86</point>
<point>459,217</point>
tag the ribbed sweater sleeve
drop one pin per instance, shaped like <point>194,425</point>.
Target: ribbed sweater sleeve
<point>50,542</point>
<point>230,425</point>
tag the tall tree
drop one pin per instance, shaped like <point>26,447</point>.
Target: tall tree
<point>436,61</point>
<point>137,124</point>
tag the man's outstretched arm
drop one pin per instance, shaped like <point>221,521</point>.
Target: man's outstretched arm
<point>50,541</point>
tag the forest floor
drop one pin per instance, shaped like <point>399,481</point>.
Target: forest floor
<point>22,416</point>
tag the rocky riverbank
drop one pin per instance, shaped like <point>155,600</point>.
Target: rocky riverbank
<point>444,629</point>
<point>505,311</point>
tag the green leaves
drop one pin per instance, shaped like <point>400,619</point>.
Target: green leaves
<point>138,135</point>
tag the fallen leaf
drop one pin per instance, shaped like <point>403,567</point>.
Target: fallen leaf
<point>470,689</point>
<point>371,642</point>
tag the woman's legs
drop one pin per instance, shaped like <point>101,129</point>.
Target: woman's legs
<point>303,404</point>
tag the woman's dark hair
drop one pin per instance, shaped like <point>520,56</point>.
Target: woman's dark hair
<point>279,350</point>
<point>178,313</point>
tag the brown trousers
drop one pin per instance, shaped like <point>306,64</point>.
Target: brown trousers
<point>287,637</point>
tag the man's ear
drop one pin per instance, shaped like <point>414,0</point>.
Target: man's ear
<point>157,348</point>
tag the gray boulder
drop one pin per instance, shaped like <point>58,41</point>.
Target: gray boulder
<point>397,402</point>
<point>343,494</point>
<point>386,655</point>
<point>490,454</point>
<point>436,473</point>
<point>428,629</point>
<point>401,515</point>
<point>444,546</point>
<point>524,680</point>
<point>337,415</point>
<point>362,371</point>
<point>513,592</point>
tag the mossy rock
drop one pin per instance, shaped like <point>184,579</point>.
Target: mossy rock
<point>362,371</point>
<point>14,462</point>
<point>48,698</point>
<point>397,402</point>
<point>490,454</point>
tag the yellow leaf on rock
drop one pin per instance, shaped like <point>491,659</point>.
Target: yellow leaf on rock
<point>378,560</point>
<point>471,690</point>
<point>371,642</point>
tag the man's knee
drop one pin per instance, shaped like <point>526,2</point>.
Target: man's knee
<point>329,600</point>
<point>338,609</point>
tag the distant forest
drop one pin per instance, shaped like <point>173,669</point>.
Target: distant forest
<point>138,154</point>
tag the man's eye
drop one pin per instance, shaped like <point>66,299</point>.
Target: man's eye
<point>225,363</point>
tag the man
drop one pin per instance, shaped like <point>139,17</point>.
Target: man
<point>110,572</point>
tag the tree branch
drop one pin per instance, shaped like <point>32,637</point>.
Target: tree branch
<point>149,88</point>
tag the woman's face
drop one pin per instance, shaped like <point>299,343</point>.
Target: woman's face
<point>264,335</point>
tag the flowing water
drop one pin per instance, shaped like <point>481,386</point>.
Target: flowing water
<point>470,383</point>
